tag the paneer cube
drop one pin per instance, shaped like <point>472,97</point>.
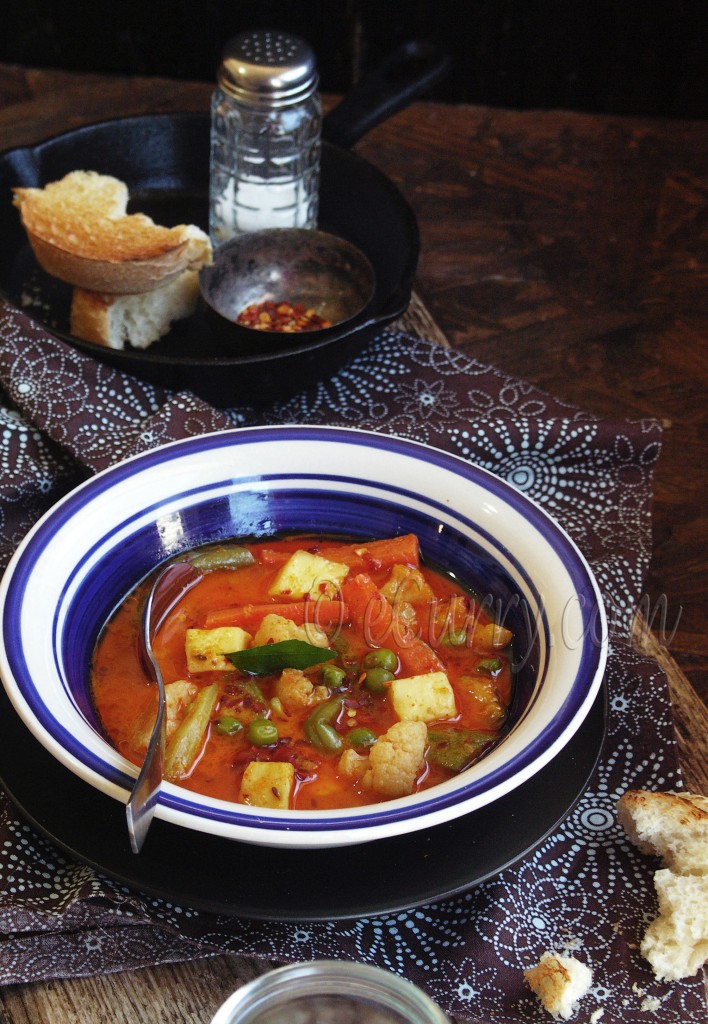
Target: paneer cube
<point>206,648</point>
<point>268,784</point>
<point>306,574</point>
<point>424,698</point>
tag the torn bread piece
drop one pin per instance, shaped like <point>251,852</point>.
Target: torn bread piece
<point>559,983</point>
<point>676,942</point>
<point>674,827</point>
<point>81,233</point>
<point>115,321</point>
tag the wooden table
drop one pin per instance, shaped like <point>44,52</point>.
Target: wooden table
<point>565,249</point>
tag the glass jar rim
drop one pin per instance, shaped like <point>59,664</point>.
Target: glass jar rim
<point>379,988</point>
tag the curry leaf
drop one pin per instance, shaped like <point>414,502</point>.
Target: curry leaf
<point>262,661</point>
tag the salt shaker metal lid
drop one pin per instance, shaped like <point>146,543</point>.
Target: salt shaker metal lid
<point>268,67</point>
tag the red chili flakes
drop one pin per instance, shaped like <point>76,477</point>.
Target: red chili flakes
<point>281,316</point>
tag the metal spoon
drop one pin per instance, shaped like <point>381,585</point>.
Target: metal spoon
<point>172,583</point>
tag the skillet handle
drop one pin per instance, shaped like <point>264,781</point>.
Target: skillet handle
<point>410,71</point>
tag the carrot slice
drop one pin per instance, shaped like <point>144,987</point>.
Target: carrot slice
<point>381,627</point>
<point>375,554</point>
<point>417,657</point>
<point>320,612</point>
<point>370,612</point>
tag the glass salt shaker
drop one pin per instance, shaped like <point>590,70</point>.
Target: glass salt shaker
<point>266,120</point>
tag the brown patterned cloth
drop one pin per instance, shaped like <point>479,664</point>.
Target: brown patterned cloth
<point>584,889</point>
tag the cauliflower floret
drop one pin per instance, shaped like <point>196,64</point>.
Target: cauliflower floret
<point>295,691</point>
<point>275,628</point>
<point>178,696</point>
<point>352,765</point>
<point>396,758</point>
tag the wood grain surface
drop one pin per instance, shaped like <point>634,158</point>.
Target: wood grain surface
<point>565,249</point>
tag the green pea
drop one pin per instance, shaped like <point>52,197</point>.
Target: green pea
<point>361,737</point>
<point>382,657</point>
<point>333,676</point>
<point>228,725</point>
<point>376,679</point>
<point>262,732</point>
<point>455,638</point>
<point>489,666</point>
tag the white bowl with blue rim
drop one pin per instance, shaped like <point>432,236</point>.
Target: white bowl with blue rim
<point>99,541</point>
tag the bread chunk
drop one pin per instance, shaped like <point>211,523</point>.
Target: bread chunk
<point>559,982</point>
<point>674,827</point>
<point>115,321</point>
<point>676,942</point>
<point>80,232</point>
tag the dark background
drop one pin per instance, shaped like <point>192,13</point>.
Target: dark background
<point>642,57</point>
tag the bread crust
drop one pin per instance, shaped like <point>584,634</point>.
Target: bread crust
<point>673,826</point>
<point>90,313</point>
<point>117,277</point>
<point>559,982</point>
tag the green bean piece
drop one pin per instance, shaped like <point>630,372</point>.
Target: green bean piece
<point>277,706</point>
<point>381,657</point>
<point>262,732</point>
<point>319,729</point>
<point>456,749</point>
<point>333,676</point>
<point>376,679</point>
<point>329,738</point>
<point>227,725</point>
<point>361,737</point>
<point>229,556</point>
<point>189,736</point>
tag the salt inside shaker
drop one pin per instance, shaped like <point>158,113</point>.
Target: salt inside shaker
<point>266,120</point>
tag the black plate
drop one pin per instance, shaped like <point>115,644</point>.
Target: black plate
<point>164,160</point>
<point>385,876</point>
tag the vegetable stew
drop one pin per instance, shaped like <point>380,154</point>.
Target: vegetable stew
<point>311,673</point>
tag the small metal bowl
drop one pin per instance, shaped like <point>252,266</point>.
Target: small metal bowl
<point>297,265</point>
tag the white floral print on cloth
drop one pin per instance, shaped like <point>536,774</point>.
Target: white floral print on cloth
<point>583,889</point>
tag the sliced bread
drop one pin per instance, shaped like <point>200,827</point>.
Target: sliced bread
<point>138,320</point>
<point>80,232</point>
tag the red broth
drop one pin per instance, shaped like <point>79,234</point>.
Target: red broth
<point>326,727</point>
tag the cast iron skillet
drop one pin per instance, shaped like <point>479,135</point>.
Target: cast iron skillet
<point>164,160</point>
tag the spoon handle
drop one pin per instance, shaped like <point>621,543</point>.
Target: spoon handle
<point>140,808</point>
